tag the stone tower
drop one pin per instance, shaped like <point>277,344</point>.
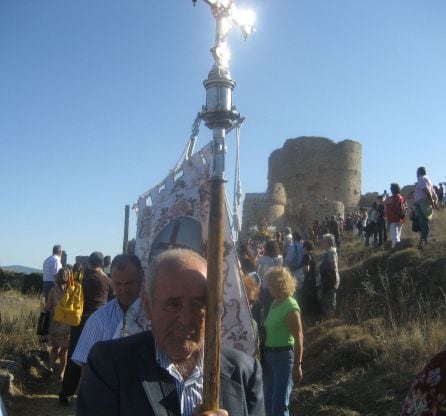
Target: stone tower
<point>276,206</point>
<point>316,168</point>
<point>308,178</point>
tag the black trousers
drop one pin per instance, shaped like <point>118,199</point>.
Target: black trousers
<point>382,232</point>
<point>72,373</point>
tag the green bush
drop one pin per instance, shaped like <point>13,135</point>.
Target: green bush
<point>6,279</point>
<point>33,282</point>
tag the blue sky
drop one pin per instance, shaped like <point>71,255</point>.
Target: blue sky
<point>97,99</point>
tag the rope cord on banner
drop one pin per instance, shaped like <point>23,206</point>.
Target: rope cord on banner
<point>237,186</point>
<point>186,154</point>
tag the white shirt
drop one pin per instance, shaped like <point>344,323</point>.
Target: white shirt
<point>50,268</point>
<point>423,182</point>
<point>264,263</point>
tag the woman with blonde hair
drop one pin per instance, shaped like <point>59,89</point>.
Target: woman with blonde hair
<point>59,333</point>
<point>283,343</point>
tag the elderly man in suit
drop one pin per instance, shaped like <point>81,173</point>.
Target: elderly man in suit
<point>161,372</point>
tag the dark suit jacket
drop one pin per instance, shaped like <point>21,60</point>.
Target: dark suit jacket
<point>123,378</point>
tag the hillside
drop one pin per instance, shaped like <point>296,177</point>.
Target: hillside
<point>391,321</point>
<point>15,268</point>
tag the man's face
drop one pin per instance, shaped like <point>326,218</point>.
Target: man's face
<point>177,309</point>
<point>126,284</point>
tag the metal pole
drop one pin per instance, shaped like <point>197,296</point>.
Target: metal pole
<point>125,243</point>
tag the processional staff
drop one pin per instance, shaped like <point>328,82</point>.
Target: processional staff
<point>220,115</point>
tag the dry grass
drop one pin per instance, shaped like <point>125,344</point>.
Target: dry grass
<point>391,321</point>
<point>363,369</point>
<point>18,322</point>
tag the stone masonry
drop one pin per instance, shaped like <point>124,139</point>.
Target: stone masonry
<point>308,178</point>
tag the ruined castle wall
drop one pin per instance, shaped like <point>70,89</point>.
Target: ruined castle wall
<point>301,215</point>
<point>274,215</point>
<point>316,168</point>
<point>258,207</point>
<point>255,208</point>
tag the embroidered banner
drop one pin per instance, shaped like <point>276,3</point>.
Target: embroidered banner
<point>175,214</point>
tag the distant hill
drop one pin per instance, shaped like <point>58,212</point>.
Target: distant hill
<point>20,269</point>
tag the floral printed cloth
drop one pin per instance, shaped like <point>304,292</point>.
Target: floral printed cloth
<point>427,394</point>
<point>185,195</point>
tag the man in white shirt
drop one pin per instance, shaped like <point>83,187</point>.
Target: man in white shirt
<point>50,268</point>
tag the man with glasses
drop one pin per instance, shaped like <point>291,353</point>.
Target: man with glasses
<point>161,372</point>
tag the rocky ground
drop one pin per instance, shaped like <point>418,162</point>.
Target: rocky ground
<point>28,387</point>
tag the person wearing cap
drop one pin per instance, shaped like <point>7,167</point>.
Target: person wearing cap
<point>97,290</point>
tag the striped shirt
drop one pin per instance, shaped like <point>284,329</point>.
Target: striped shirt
<point>190,391</point>
<point>100,326</point>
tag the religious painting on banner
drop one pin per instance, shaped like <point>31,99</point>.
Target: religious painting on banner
<point>175,214</point>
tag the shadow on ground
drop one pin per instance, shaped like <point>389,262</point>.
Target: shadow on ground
<point>40,400</point>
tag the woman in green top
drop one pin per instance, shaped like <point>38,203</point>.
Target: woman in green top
<point>283,343</point>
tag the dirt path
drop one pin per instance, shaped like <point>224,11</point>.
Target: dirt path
<point>40,400</point>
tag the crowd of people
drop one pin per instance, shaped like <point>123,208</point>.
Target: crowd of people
<point>308,286</point>
<point>151,360</point>
<point>167,307</point>
<point>138,349</point>
<point>291,284</point>
<point>387,214</point>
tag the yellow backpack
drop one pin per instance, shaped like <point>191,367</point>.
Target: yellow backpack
<point>70,307</point>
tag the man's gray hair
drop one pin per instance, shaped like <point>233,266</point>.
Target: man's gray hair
<point>57,249</point>
<point>176,257</point>
<point>330,238</point>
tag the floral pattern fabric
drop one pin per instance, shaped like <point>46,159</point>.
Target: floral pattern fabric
<point>185,193</point>
<point>427,394</point>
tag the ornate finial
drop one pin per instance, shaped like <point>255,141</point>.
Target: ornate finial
<point>227,14</point>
